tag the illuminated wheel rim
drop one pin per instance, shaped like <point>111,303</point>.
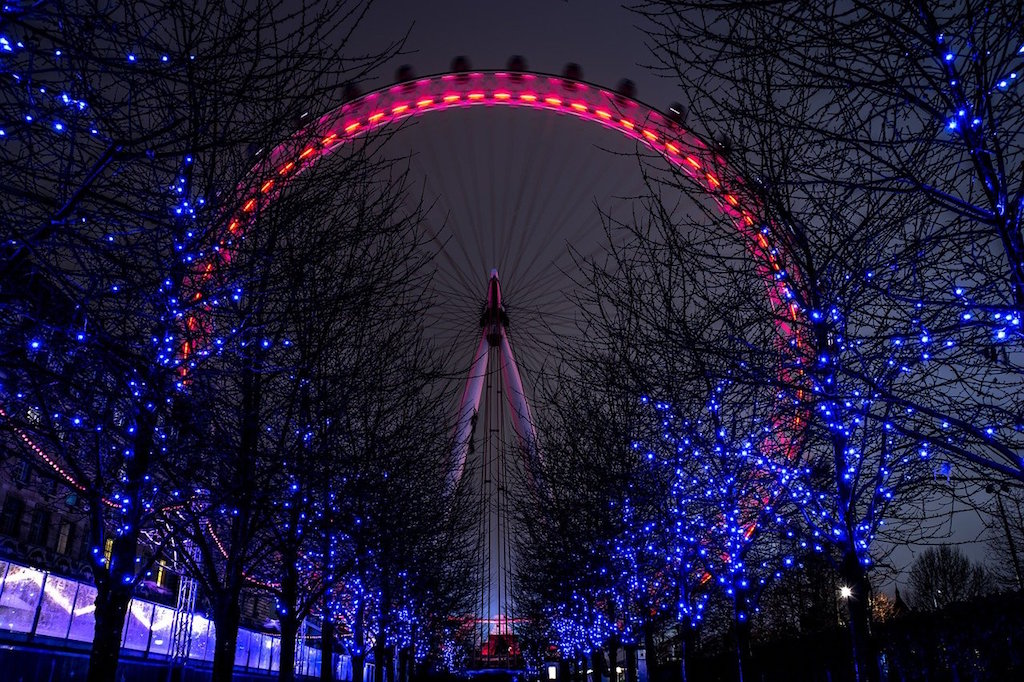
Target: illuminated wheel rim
<point>390,106</point>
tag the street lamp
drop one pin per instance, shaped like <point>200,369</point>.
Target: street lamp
<point>845,591</point>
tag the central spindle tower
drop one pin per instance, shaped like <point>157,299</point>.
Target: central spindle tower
<point>492,400</point>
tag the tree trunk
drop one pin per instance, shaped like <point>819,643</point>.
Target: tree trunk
<point>358,667</point>
<point>684,651</point>
<point>378,661</point>
<point>389,661</point>
<point>359,641</point>
<point>115,581</point>
<point>858,605</point>
<point>327,649</point>
<point>111,609</point>
<point>383,654</point>
<point>289,632</point>
<point>687,641</point>
<point>742,639</point>
<point>288,615</point>
<point>630,650</point>
<point>613,659</point>
<point>649,652</point>
<point>404,662</point>
<point>596,663</point>
<point>226,616</point>
<point>227,612</point>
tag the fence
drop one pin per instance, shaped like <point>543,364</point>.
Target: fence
<point>60,611</point>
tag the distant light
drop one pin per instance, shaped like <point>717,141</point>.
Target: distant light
<point>845,592</point>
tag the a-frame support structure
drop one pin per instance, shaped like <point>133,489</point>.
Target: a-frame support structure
<point>493,326</point>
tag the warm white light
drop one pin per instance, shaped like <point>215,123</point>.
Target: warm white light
<point>845,592</point>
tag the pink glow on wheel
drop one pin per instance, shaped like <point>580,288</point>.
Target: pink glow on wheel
<point>681,148</point>
<point>685,151</point>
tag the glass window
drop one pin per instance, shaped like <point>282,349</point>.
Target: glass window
<point>58,603</point>
<point>255,648</point>
<point>211,641</point>
<point>303,658</point>
<point>163,617</point>
<point>83,617</point>
<point>10,518</point>
<point>200,648</point>
<point>39,528</point>
<point>313,662</point>
<point>275,653</point>
<point>66,538</point>
<point>22,588</point>
<point>265,648</point>
<point>242,648</point>
<point>137,624</point>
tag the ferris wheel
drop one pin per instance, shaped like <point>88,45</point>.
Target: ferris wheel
<point>497,199</point>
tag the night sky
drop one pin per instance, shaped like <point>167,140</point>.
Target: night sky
<point>599,35</point>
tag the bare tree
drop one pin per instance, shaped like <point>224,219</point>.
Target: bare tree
<point>311,283</point>
<point>1005,534</point>
<point>914,103</point>
<point>694,290</point>
<point>350,309</point>
<point>944,575</point>
<point>131,128</point>
<point>575,573</point>
<point>890,222</point>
